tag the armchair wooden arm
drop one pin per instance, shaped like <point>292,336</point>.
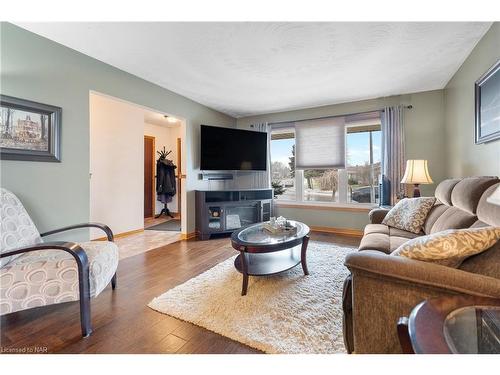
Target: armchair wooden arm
<point>103,227</point>
<point>83,274</point>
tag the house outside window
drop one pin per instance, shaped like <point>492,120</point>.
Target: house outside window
<point>355,183</point>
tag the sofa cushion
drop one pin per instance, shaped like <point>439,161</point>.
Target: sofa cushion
<point>376,228</point>
<point>47,277</point>
<point>451,247</point>
<point>444,189</point>
<point>436,211</point>
<point>403,233</point>
<point>376,241</point>
<point>467,193</point>
<point>488,212</point>
<point>395,242</point>
<point>486,263</point>
<point>409,214</point>
<point>453,218</point>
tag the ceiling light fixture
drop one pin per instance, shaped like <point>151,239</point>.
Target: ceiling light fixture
<point>170,118</point>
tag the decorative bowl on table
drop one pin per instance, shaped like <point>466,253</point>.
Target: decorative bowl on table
<point>280,226</point>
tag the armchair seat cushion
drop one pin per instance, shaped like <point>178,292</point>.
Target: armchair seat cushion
<point>47,277</point>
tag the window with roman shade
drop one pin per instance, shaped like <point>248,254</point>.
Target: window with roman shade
<point>332,159</point>
<point>320,143</point>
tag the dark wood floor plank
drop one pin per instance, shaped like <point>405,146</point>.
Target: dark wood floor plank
<point>121,320</point>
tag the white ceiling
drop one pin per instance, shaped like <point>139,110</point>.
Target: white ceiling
<point>156,118</point>
<point>252,68</point>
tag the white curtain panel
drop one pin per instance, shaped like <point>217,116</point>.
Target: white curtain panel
<point>320,143</point>
<point>393,148</point>
<point>263,179</point>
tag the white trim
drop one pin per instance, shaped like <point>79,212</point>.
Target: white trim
<point>279,202</point>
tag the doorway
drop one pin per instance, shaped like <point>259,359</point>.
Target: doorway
<point>149,176</point>
<point>124,141</point>
<point>167,161</point>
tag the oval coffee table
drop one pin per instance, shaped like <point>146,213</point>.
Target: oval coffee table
<point>263,253</point>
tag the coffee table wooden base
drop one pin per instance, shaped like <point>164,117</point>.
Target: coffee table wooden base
<point>266,264</point>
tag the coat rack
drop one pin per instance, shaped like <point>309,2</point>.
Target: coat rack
<point>163,156</point>
<point>163,153</point>
<point>165,211</point>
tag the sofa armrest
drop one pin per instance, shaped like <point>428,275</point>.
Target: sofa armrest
<point>385,288</point>
<point>424,273</point>
<point>377,215</point>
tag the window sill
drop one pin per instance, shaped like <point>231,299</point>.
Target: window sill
<point>360,207</point>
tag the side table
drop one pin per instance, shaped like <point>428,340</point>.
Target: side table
<point>452,325</point>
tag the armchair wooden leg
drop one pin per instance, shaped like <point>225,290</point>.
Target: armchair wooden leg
<point>84,286</point>
<point>113,282</point>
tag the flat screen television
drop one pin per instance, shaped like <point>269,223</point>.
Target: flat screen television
<point>226,149</point>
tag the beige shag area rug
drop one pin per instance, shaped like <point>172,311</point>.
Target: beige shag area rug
<point>285,313</point>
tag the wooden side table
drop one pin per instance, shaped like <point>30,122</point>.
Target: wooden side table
<point>452,325</point>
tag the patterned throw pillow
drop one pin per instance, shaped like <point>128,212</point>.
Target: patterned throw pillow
<point>449,247</point>
<point>409,214</point>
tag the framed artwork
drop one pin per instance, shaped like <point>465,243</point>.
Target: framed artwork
<point>487,99</point>
<point>29,131</point>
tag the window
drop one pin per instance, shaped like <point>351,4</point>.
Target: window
<point>363,163</point>
<point>320,185</point>
<point>355,183</point>
<point>283,163</point>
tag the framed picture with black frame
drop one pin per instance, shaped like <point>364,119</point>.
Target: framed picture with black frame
<point>487,106</point>
<point>29,131</point>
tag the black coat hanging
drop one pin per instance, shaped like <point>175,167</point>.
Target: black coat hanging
<point>165,181</point>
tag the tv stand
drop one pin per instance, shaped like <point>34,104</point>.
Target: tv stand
<point>224,211</point>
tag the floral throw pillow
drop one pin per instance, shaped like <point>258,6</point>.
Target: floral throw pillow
<point>449,247</point>
<point>409,214</point>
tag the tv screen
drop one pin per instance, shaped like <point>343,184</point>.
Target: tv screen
<point>232,149</point>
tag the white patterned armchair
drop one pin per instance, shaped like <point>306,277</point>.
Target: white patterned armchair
<point>35,273</point>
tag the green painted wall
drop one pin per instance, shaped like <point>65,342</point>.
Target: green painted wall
<point>35,68</point>
<point>424,136</point>
<point>464,157</point>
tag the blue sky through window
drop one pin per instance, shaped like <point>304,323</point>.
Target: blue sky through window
<point>281,150</point>
<point>358,148</point>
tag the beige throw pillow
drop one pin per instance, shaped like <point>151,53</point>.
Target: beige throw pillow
<point>449,247</point>
<point>409,214</point>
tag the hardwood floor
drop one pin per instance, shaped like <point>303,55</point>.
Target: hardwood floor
<point>121,320</point>
<point>147,240</point>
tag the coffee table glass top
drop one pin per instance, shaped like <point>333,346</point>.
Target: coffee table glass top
<point>257,235</point>
<point>473,330</point>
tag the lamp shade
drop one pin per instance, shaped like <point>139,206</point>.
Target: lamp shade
<point>416,173</point>
<point>495,197</point>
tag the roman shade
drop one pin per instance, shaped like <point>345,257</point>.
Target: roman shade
<point>320,143</point>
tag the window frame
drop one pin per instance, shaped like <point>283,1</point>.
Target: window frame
<point>342,204</point>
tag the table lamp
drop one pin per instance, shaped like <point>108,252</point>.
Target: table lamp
<point>416,173</point>
<point>495,197</point>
